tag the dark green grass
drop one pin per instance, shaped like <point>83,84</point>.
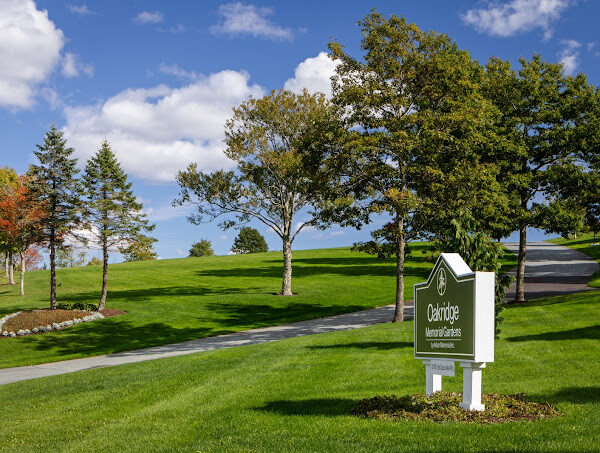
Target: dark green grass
<point>296,395</point>
<point>176,300</point>
<point>584,244</point>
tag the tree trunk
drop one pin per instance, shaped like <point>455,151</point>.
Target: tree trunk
<point>102,303</point>
<point>520,292</point>
<point>400,245</point>
<point>22,273</point>
<point>11,270</point>
<point>52,270</point>
<point>286,285</point>
<point>6,265</point>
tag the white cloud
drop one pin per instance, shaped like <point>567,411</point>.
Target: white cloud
<point>223,237</point>
<point>569,55</point>
<point>180,252</point>
<point>314,74</point>
<point>30,46</point>
<point>509,18</point>
<point>72,67</point>
<point>82,10</point>
<point>337,233</point>
<point>175,29</point>
<point>177,71</point>
<point>238,19</point>
<point>157,131</point>
<point>149,17</point>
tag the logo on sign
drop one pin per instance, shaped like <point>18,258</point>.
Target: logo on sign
<point>441,282</point>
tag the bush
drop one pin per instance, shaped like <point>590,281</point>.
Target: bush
<point>202,248</point>
<point>76,306</point>
<point>249,240</point>
<point>94,261</point>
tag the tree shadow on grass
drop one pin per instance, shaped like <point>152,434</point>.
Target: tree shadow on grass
<point>112,335</point>
<point>330,407</point>
<point>583,333</point>
<point>578,395</point>
<point>262,315</point>
<point>380,345</point>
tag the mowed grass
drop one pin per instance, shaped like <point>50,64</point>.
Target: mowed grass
<point>295,395</point>
<point>584,244</point>
<point>170,301</point>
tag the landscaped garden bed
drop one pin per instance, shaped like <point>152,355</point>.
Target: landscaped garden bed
<point>444,407</point>
<point>40,321</point>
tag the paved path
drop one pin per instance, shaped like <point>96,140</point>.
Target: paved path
<point>551,270</point>
<point>332,324</point>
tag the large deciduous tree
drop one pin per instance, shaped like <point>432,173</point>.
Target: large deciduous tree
<point>544,121</point>
<point>278,143</point>
<point>416,118</point>
<point>53,180</point>
<point>112,215</point>
<point>8,181</point>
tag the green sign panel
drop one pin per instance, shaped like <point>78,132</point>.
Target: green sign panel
<point>444,312</point>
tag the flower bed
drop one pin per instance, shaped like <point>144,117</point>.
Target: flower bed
<point>41,321</point>
<point>444,407</point>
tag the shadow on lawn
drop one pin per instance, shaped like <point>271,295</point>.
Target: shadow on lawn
<point>318,406</point>
<point>262,315</point>
<point>578,395</point>
<point>583,333</point>
<point>381,345</point>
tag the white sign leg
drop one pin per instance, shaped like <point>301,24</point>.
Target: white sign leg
<point>433,382</point>
<point>472,386</point>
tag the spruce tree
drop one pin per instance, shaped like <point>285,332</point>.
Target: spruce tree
<point>112,214</point>
<point>54,183</point>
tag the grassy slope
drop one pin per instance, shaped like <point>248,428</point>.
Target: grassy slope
<point>584,244</point>
<point>294,395</point>
<point>175,300</point>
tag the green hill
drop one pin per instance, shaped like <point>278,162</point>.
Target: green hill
<point>169,301</point>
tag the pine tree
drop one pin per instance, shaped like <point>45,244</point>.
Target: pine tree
<point>55,185</point>
<point>112,214</point>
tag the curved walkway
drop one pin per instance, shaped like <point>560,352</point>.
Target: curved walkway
<point>550,270</point>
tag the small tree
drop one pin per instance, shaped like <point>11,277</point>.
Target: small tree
<point>9,180</point>
<point>279,143</point>
<point>112,214</point>
<point>54,184</point>
<point>94,261</point>
<point>249,240</point>
<point>202,248</point>
<point>67,256</point>
<point>141,249</point>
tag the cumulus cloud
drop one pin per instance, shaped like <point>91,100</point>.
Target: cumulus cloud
<point>72,67</point>
<point>238,19</point>
<point>30,46</point>
<point>82,10</point>
<point>177,71</point>
<point>149,17</point>
<point>509,18</point>
<point>569,55</point>
<point>157,131</point>
<point>314,74</point>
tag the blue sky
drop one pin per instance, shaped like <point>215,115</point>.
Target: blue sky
<point>158,79</point>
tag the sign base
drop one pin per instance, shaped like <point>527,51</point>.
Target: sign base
<point>472,386</point>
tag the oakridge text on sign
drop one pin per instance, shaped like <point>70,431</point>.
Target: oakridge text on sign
<point>444,313</point>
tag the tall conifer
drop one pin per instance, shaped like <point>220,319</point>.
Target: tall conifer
<point>112,214</point>
<point>55,185</point>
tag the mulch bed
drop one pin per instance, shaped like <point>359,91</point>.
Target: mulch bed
<point>443,407</point>
<point>43,317</point>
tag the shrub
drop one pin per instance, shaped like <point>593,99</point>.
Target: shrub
<point>249,240</point>
<point>202,248</point>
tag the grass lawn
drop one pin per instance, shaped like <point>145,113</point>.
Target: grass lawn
<point>584,244</point>
<point>169,301</point>
<point>295,395</point>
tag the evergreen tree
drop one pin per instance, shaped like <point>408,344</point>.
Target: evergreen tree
<point>249,240</point>
<point>202,248</point>
<point>54,183</point>
<point>112,214</point>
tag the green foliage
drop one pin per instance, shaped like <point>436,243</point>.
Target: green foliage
<point>443,407</point>
<point>112,214</point>
<point>76,306</point>
<point>69,257</point>
<point>479,252</point>
<point>249,240</point>
<point>141,249</point>
<point>94,261</point>
<point>202,248</point>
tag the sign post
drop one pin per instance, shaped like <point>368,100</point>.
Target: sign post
<point>454,321</point>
